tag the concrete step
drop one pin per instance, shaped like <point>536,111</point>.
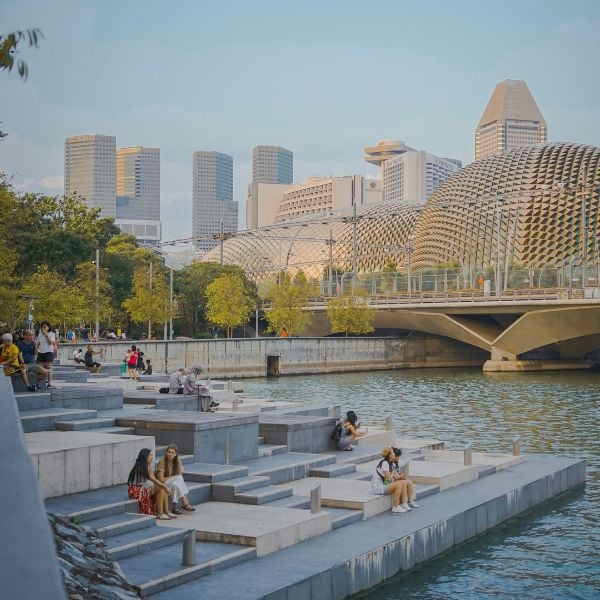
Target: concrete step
<point>263,495</point>
<point>120,430</point>
<point>288,466</point>
<point>160,569</point>
<point>293,501</point>
<point>113,525</point>
<point>82,424</point>
<point>143,540</point>
<point>340,517</point>
<point>33,400</point>
<point>226,491</point>
<point>270,449</point>
<point>212,473</point>
<point>261,440</point>
<point>43,419</point>
<point>333,470</point>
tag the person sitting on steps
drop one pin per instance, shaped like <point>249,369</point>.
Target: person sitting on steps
<point>9,359</point>
<point>387,479</point>
<point>143,486</point>
<point>170,472</point>
<point>78,356</point>
<point>27,352</point>
<point>88,359</point>
<point>350,432</point>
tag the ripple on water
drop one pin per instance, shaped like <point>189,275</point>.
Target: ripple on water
<point>551,553</point>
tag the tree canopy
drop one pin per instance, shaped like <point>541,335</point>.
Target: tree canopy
<point>288,298</point>
<point>350,314</point>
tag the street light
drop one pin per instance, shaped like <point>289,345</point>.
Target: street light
<point>409,251</point>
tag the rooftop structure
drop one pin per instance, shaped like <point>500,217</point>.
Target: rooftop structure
<point>510,119</point>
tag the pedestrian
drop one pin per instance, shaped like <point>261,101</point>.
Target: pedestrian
<point>45,349</point>
<point>131,359</point>
<point>88,359</point>
<point>284,333</point>
<point>70,336</point>
<point>85,334</point>
<point>139,365</point>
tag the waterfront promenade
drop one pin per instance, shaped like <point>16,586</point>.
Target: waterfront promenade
<point>251,472</point>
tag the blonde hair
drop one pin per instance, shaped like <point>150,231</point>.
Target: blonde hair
<point>385,453</point>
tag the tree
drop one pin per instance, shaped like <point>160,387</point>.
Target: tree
<point>151,300</point>
<point>351,314</point>
<point>56,300</point>
<point>9,43</point>
<point>85,281</point>
<point>227,303</point>
<point>10,306</point>
<point>288,299</point>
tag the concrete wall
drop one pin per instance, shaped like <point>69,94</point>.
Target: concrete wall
<point>248,357</point>
<point>28,563</point>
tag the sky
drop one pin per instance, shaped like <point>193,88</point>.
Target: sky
<point>321,78</point>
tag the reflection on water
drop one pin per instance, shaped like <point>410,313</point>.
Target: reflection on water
<point>551,553</point>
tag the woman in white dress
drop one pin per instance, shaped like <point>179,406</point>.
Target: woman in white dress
<point>170,472</point>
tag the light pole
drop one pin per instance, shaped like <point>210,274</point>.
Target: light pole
<point>409,250</point>
<point>97,294</point>
<point>499,201</point>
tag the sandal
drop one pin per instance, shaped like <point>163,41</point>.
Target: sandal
<point>189,508</point>
<point>171,516</point>
<point>176,510</point>
<point>162,517</point>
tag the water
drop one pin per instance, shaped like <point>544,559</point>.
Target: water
<point>553,552</point>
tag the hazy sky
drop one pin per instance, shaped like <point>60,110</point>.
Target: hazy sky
<point>323,79</point>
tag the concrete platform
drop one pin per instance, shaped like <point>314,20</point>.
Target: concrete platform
<point>444,474</point>
<point>264,527</point>
<point>67,462</point>
<point>480,459</point>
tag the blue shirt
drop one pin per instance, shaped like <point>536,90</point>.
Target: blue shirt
<point>28,351</point>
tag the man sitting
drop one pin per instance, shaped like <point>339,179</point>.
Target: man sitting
<point>9,359</point>
<point>78,356</point>
<point>27,354</point>
<point>88,359</point>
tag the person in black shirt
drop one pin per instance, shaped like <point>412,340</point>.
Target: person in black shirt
<point>27,353</point>
<point>88,359</point>
<point>148,370</point>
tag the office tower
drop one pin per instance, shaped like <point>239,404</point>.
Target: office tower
<point>262,203</point>
<point>212,199</point>
<point>90,171</point>
<point>272,164</point>
<point>510,119</point>
<point>138,192</point>
<point>413,176</point>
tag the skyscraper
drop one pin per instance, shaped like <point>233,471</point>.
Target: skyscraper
<point>212,199</point>
<point>138,192</point>
<point>90,171</point>
<point>510,119</point>
<point>272,164</point>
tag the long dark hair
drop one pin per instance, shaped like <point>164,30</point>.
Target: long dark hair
<point>139,474</point>
<point>176,463</point>
<point>351,418</point>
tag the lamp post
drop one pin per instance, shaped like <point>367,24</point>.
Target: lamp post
<point>97,294</point>
<point>499,201</point>
<point>409,250</point>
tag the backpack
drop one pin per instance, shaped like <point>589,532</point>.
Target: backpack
<point>336,435</point>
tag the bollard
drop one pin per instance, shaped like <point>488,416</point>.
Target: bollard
<point>315,499</point>
<point>188,557</point>
<point>234,404</point>
<point>388,423</point>
<point>330,410</point>
<point>516,445</point>
<point>468,455</point>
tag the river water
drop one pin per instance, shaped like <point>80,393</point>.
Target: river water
<point>552,552</point>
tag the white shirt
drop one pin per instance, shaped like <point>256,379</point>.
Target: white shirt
<point>45,345</point>
<point>78,354</point>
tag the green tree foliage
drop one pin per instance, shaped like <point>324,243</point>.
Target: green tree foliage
<point>58,301</point>
<point>9,44</point>
<point>151,301</point>
<point>119,259</point>
<point>351,314</point>
<point>288,298</point>
<point>10,306</point>
<point>85,281</point>
<point>190,284</point>
<point>227,304</point>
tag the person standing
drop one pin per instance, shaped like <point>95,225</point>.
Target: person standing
<point>131,359</point>
<point>45,349</point>
<point>284,332</point>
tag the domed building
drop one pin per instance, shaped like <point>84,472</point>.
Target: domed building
<point>536,206</point>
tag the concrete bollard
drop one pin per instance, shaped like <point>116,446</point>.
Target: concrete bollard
<point>516,445</point>
<point>234,404</point>
<point>330,410</point>
<point>315,499</point>
<point>468,455</point>
<point>388,423</point>
<point>188,557</point>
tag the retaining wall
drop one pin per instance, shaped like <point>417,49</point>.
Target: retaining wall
<point>248,357</point>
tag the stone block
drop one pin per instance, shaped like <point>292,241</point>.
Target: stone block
<point>481,517</point>
<point>123,457</point>
<point>470,523</point>
<point>52,474</point>
<point>392,553</point>
<point>77,470</point>
<point>502,508</point>
<point>299,591</point>
<point>101,473</point>
<point>444,474</point>
<point>459,524</point>
<point>367,570</point>
<point>320,586</point>
<point>340,587</point>
<point>407,552</point>
<point>492,513</point>
<point>539,491</point>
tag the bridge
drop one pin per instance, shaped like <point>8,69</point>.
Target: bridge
<point>562,325</point>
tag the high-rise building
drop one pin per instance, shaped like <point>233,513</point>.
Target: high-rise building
<point>90,171</point>
<point>262,203</point>
<point>510,119</point>
<point>212,199</point>
<point>409,175</point>
<point>138,192</point>
<point>413,176</point>
<point>272,164</point>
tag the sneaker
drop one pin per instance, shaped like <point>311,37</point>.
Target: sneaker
<point>406,507</point>
<point>398,509</point>
<point>48,386</point>
<point>413,504</point>
<point>31,388</point>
